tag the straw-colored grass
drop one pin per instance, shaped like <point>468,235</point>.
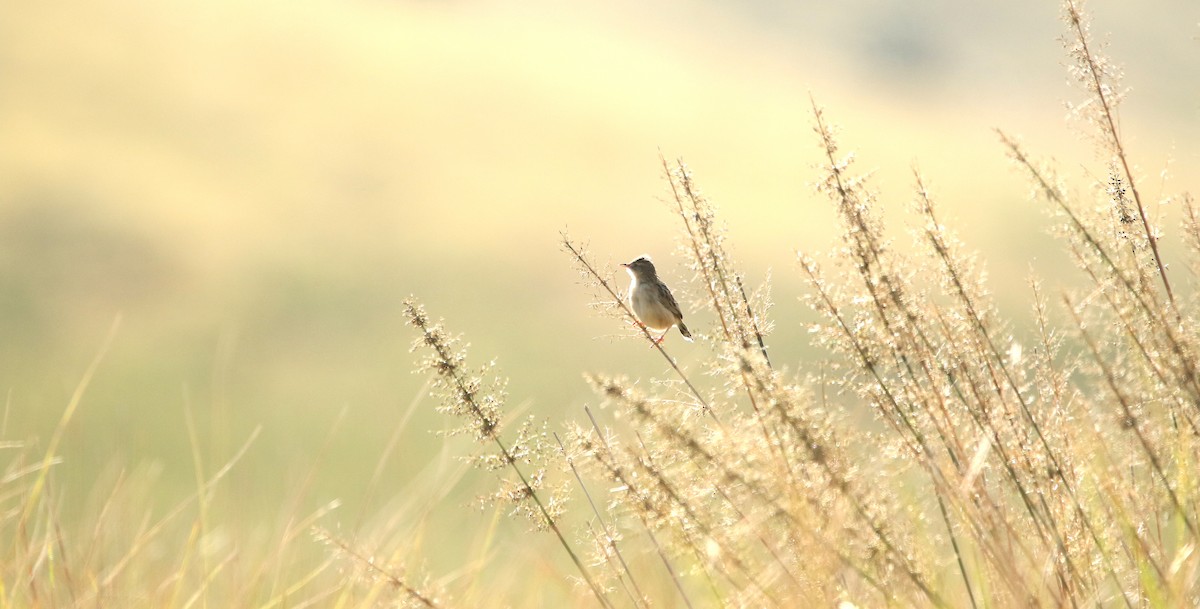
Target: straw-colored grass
<point>941,455</point>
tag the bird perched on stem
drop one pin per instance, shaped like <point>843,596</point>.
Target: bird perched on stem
<point>652,301</point>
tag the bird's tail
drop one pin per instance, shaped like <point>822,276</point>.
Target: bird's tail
<point>687,334</point>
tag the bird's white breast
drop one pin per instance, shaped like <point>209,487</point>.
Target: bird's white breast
<point>647,306</point>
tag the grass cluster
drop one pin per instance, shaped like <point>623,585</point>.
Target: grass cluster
<point>1040,463</point>
<point>943,456</point>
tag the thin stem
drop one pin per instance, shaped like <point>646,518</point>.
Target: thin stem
<point>449,369</point>
<point>617,302</point>
<point>374,567</point>
<point>1130,419</point>
<point>618,475</point>
<point>1110,126</point>
<point>610,540</point>
<point>762,345</point>
<point>695,243</point>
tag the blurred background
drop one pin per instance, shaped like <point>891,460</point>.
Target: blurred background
<point>254,188</point>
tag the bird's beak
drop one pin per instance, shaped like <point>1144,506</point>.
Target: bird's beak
<point>624,265</point>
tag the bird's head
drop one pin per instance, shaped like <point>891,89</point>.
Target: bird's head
<point>641,268</point>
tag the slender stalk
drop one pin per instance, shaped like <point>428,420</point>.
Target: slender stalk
<point>374,567</point>
<point>618,475</point>
<point>448,368</point>
<point>609,538</point>
<point>689,220</point>
<point>958,555</point>
<point>50,456</point>
<point>762,345</point>
<point>616,302</point>
<point>1099,89</point>
<point>1130,420</point>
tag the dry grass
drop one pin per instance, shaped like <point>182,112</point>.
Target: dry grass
<point>944,456</point>
<point>1053,469</point>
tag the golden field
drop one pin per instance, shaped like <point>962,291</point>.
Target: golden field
<point>241,196</point>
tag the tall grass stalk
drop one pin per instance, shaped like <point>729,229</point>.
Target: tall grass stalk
<point>465,396</point>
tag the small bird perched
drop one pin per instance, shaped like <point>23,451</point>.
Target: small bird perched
<point>652,301</point>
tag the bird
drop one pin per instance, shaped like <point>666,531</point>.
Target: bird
<point>651,300</point>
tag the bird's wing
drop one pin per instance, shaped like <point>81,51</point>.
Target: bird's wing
<point>669,300</point>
